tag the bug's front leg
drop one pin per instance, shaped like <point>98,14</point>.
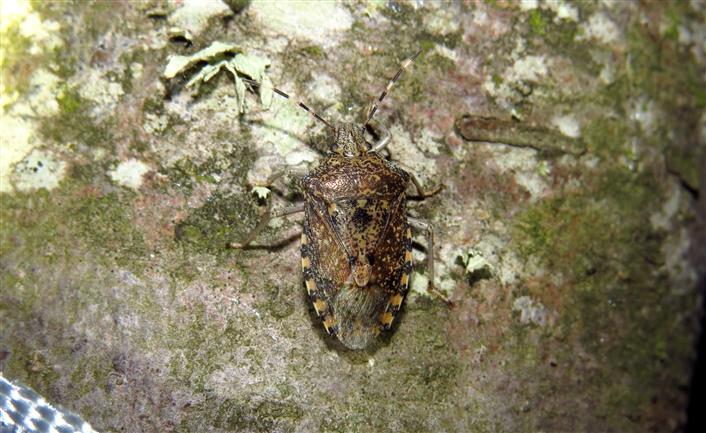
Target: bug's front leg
<point>428,230</point>
<point>383,135</point>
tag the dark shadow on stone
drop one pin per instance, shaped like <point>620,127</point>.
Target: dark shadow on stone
<point>695,415</point>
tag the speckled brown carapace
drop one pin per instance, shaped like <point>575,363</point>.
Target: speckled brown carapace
<point>356,243</point>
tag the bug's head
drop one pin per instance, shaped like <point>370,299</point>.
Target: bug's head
<point>349,140</point>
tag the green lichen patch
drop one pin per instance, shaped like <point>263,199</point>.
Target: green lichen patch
<point>313,52</point>
<point>103,221</point>
<point>405,35</point>
<point>185,174</point>
<point>29,44</point>
<point>16,66</point>
<point>607,137</point>
<point>106,221</point>
<point>26,362</point>
<point>279,301</point>
<point>205,345</point>
<point>617,301</point>
<point>670,76</point>
<point>41,267</point>
<point>560,230</point>
<point>74,125</point>
<point>672,30</point>
<point>236,415</point>
<point>228,213</point>
<point>434,62</point>
<point>664,70</point>
<point>537,22</point>
<point>221,220</point>
<point>97,20</point>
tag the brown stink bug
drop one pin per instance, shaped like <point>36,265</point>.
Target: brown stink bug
<point>356,244</point>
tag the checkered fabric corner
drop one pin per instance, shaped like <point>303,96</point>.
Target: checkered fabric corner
<point>24,411</point>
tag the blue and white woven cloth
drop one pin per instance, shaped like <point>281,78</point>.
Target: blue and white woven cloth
<point>24,411</point>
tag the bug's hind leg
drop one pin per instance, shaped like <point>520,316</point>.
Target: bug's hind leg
<point>428,230</point>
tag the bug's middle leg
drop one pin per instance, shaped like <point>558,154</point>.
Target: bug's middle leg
<point>264,221</point>
<point>421,193</point>
<point>268,212</point>
<point>428,230</point>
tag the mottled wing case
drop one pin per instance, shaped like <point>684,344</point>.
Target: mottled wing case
<point>337,232</point>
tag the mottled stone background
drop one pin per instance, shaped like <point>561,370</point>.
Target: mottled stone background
<point>570,138</point>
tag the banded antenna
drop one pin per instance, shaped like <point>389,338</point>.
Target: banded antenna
<point>298,102</point>
<point>384,93</point>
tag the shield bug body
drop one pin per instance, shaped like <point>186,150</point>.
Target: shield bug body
<point>356,244</point>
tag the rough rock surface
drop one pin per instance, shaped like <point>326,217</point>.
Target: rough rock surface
<point>570,139</point>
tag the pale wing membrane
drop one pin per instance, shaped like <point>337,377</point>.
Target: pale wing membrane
<point>378,229</point>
